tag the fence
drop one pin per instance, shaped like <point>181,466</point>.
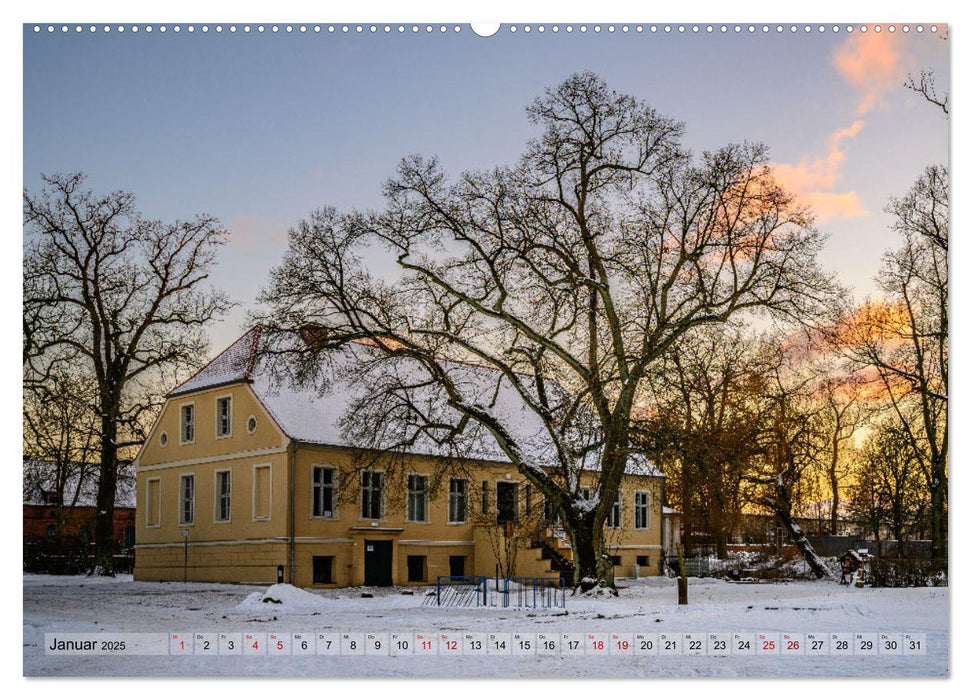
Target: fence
<point>511,592</point>
<point>694,566</point>
<point>833,546</point>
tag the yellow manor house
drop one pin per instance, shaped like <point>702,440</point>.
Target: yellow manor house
<point>240,480</point>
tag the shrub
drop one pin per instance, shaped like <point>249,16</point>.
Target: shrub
<point>907,573</point>
<point>56,555</point>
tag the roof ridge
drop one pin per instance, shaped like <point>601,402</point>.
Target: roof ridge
<point>247,369</point>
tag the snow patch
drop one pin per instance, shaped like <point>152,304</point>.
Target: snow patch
<point>282,597</point>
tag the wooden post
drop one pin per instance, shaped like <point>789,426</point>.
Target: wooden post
<point>682,579</point>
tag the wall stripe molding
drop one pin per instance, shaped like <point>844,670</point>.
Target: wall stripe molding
<point>439,543</point>
<point>213,543</point>
<point>248,454</point>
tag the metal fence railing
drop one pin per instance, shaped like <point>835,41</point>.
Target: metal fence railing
<point>496,592</point>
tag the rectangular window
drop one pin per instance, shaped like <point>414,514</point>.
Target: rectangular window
<point>456,500</point>
<point>529,500</point>
<point>416,568</point>
<point>585,493</point>
<point>261,492</point>
<point>643,560</point>
<point>485,497</point>
<point>642,520</point>
<point>188,429</point>
<point>186,498</point>
<point>371,496</point>
<point>550,514</point>
<point>417,501</point>
<point>615,560</point>
<point>507,497</point>
<point>153,498</point>
<point>224,416</point>
<point>223,495</point>
<point>324,483</point>
<point>323,569</point>
<point>613,515</point>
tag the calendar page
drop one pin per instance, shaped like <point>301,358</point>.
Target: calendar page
<point>520,350</point>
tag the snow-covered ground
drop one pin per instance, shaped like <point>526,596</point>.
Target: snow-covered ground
<point>59,604</point>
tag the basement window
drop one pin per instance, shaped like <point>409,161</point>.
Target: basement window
<point>323,570</point>
<point>416,568</point>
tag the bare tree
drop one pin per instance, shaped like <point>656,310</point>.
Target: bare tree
<point>707,416</point>
<point>903,337</point>
<point>894,470</point>
<point>845,412</point>
<point>60,441</point>
<point>925,84</point>
<point>567,275</point>
<point>120,297</point>
<point>794,443</point>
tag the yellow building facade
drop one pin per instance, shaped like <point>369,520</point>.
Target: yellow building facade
<point>243,481</point>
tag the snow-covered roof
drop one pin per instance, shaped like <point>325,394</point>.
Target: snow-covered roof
<point>317,412</point>
<point>40,485</point>
<point>234,364</point>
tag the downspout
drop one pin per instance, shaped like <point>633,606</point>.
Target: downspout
<point>291,514</point>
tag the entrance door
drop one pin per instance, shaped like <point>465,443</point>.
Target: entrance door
<point>506,502</point>
<point>377,562</point>
<point>456,566</point>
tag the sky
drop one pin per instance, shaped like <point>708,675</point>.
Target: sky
<point>260,129</point>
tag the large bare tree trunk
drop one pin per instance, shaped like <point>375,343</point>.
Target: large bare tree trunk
<point>592,565</point>
<point>781,505</point>
<point>799,538</point>
<point>104,527</point>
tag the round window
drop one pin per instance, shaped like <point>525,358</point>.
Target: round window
<point>163,439</point>
<point>251,425</point>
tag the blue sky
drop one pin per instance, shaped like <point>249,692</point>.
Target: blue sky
<point>259,129</point>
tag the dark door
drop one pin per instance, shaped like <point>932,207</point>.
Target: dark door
<point>506,502</point>
<point>377,562</point>
<point>456,566</point>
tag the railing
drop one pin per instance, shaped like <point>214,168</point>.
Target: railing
<point>510,592</point>
<point>529,592</point>
<point>461,591</point>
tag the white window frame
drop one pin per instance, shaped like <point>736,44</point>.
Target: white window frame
<point>182,498</point>
<point>333,488</point>
<point>615,507</point>
<point>219,399</point>
<point>371,489</point>
<point>453,497</point>
<point>646,506</point>
<point>424,494</point>
<point>148,504</point>
<point>217,496</point>
<point>182,424</point>
<point>269,499</point>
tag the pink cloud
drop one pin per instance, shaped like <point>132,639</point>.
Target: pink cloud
<point>872,63</point>
<point>813,180</point>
